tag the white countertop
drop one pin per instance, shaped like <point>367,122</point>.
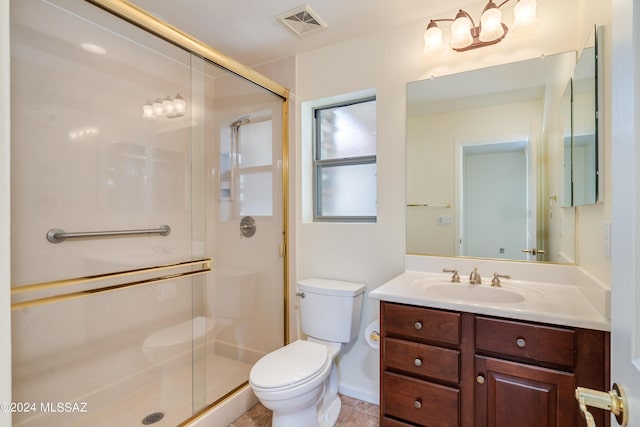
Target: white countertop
<point>557,304</point>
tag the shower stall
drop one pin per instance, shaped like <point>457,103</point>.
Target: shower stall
<point>147,218</point>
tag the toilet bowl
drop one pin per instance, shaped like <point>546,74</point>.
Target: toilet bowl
<point>299,382</point>
<point>173,341</point>
<point>171,348</point>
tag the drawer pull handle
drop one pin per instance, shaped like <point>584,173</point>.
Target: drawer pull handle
<point>480,379</point>
<point>417,404</point>
<point>417,362</point>
<point>417,325</point>
<point>521,342</point>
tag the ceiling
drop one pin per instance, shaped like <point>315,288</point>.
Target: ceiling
<point>249,31</point>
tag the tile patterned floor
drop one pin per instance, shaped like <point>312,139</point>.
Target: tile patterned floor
<point>354,413</point>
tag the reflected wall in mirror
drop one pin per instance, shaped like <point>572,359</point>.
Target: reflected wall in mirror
<point>485,163</point>
<point>582,156</point>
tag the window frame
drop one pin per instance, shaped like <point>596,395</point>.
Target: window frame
<point>319,164</point>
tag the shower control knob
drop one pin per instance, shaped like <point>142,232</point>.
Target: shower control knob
<point>417,325</point>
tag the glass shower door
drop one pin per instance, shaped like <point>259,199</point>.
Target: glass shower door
<point>245,235</point>
<point>134,163</point>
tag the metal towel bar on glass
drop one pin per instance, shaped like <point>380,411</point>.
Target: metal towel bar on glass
<point>56,235</point>
<point>429,205</point>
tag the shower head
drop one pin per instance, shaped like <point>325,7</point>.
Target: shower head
<point>241,121</point>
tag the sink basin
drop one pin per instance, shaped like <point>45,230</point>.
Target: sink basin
<point>478,293</point>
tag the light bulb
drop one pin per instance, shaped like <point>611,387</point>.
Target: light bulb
<point>524,16</point>
<point>168,107</point>
<point>491,23</point>
<point>147,110</point>
<point>461,31</point>
<point>432,38</point>
<point>179,105</point>
<point>157,108</point>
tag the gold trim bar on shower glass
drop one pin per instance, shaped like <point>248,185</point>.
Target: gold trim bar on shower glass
<point>56,235</point>
<point>204,263</point>
<point>173,35</point>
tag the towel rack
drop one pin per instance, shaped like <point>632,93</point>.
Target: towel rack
<point>429,205</point>
<point>56,235</point>
<point>64,291</point>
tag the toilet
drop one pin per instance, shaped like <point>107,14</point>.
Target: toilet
<point>178,340</point>
<point>171,347</point>
<point>299,382</point>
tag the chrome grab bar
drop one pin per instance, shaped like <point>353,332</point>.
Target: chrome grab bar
<point>56,235</point>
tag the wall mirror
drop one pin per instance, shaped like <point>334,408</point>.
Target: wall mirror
<point>582,142</point>
<point>485,153</point>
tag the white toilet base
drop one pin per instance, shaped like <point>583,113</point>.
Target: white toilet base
<point>329,417</point>
<point>304,417</point>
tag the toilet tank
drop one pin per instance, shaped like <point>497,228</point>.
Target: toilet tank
<point>330,309</point>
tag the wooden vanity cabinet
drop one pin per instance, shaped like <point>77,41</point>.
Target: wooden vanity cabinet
<point>442,368</point>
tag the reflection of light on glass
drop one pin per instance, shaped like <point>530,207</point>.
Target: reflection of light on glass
<point>157,107</point>
<point>168,107</point>
<point>147,110</point>
<point>179,104</point>
<point>165,107</point>
<point>83,132</point>
<point>93,48</point>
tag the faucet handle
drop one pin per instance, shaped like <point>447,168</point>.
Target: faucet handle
<point>455,278</point>
<point>496,279</point>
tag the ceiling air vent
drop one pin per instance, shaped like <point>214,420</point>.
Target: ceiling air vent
<point>302,20</point>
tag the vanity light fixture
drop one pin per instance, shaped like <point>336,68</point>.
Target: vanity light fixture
<point>167,107</point>
<point>466,35</point>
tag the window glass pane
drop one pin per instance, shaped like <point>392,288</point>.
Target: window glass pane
<point>254,144</point>
<point>256,197</point>
<point>348,190</point>
<point>347,131</point>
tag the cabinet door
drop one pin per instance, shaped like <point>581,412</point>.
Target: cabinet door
<point>514,394</point>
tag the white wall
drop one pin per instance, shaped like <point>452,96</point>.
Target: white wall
<point>5,260</point>
<point>591,219</point>
<point>374,253</point>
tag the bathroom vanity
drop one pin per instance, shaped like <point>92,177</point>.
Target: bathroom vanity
<point>467,360</point>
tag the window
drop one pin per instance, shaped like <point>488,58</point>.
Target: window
<point>344,162</point>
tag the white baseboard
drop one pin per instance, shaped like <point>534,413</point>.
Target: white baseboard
<point>359,393</point>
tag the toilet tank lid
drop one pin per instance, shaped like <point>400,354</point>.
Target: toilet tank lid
<point>331,287</point>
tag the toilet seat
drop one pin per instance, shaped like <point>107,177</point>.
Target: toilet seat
<point>290,366</point>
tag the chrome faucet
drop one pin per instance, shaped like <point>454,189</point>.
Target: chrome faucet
<point>496,279</point>
<point>474,277</point>
<point>455,278</point>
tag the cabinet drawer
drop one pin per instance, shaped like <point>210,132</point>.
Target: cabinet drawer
<point>535,342</point>
<point>421,359</point>
<point>421,323</point>
<point>390,422</point>
<point>420,402</point>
